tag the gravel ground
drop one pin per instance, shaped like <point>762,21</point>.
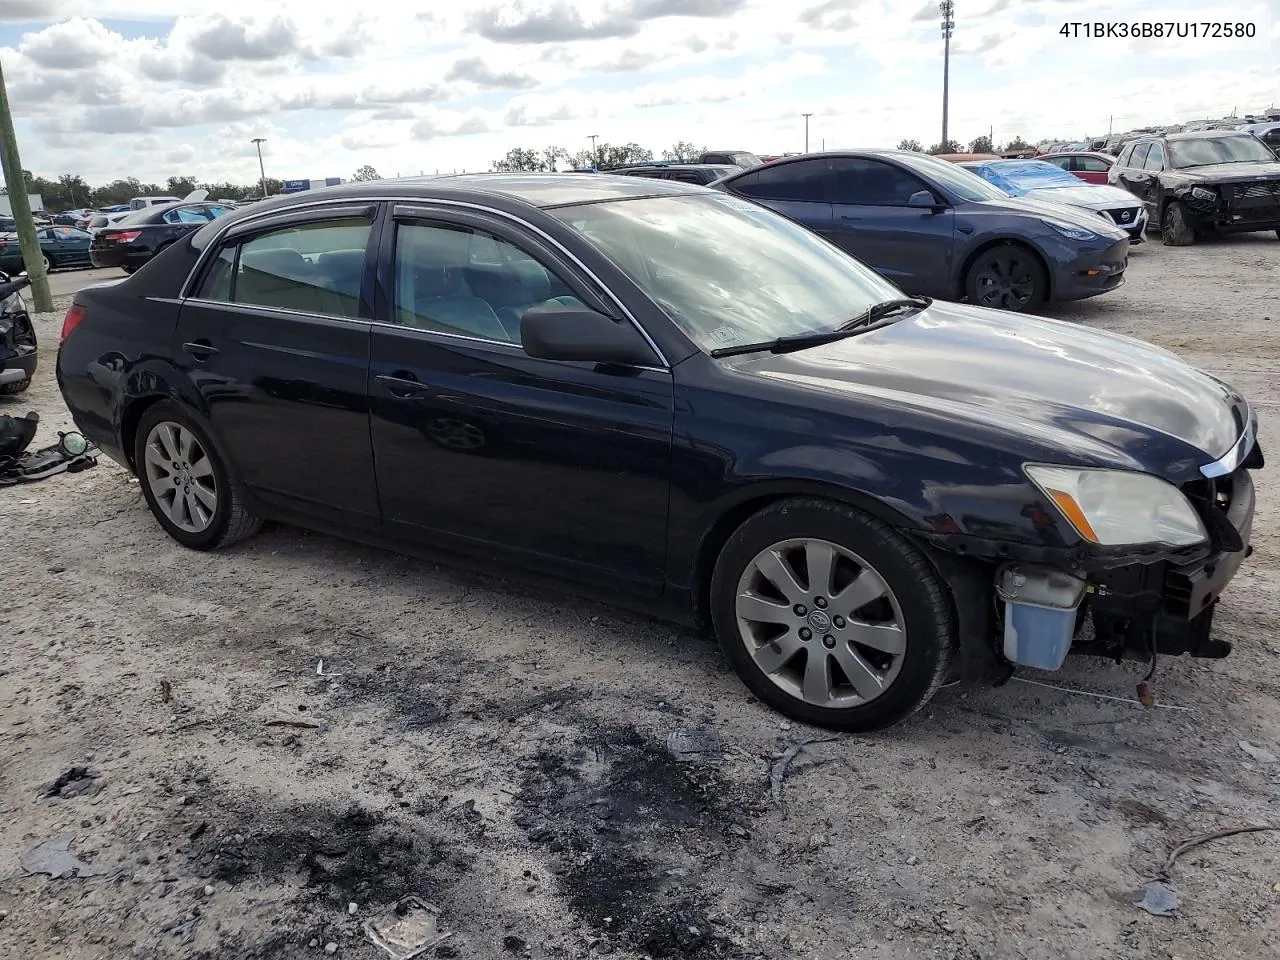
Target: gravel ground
<point>505,753</point>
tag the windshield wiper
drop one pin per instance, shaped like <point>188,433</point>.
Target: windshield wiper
<point>800,341</point>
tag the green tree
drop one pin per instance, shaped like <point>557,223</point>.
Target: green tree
<point>1017,143</point>
<point>365,173</point>
<point>521,159</point>
<point>552,157</point>
<point>683,152</point>
<point>179,186</point>
<point>913,145</point>
<point>951,146</point>
<point>982,144</point>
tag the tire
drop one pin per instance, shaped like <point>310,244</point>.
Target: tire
<point>1006,277</point>
<point>210,512</point>
<point>1175,230</point>
<point>11,389</point>
<point>49,265</point>
<point>773,655</point>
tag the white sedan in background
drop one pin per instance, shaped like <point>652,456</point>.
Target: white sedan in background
<point>1045,181</point>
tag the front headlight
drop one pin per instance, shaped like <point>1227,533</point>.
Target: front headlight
<point>1119,507</point>
<point>1070,231</point>
<point>1204,193</point>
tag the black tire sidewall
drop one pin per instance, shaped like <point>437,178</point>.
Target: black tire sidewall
<point>1041,279</point>
<point>920,595</point>
<point>212,535</point>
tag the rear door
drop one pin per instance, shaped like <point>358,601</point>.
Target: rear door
<point>486,449</point>
<point>1131,176</point>
<point>908,246</point>
<point>275,342</point>
<point>1152,166</point>
<point>1090,169</point>
<point>796,189</point>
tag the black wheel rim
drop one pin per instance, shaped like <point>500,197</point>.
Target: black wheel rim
<point>1005,280</point>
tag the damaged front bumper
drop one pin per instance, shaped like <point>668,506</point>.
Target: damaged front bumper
<point>1132,603</point>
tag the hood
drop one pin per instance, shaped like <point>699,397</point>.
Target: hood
<point>1090,196</point>
<point>1052,210</point>
<point>1046,387</point>
<point>1228,172</point>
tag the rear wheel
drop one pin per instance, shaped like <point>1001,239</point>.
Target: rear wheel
<point>48,262</point>
<point>10,389</point>
<point>1175,228</point>
<point>1007,277</point>
<point>830,616</point>
<point>185,482</point>
<point>128,269</point>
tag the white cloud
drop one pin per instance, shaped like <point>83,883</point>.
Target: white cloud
<point>332,87</point>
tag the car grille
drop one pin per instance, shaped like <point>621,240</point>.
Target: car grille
<point>1265,190</point>
<point>1124,216</point>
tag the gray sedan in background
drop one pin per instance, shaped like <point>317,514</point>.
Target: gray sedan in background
<point>936,229</point>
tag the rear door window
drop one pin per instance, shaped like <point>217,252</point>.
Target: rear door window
<point>1155,158</point>
<point>186,215</point>
<point>798,180</point>
<point>1139,156</point>
<point>1090,165</point>
<point>311,268</point>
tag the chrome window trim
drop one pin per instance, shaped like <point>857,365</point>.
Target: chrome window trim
<point>216,240</point>
<point>365,322</point>
<point>1227,464</point>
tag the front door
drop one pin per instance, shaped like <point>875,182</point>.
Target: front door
<point>908,246</point>
<point>276,344</point>
<point>487,449</point>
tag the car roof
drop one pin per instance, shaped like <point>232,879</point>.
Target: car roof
<point>544,190</point>
<point>1200,135</point>
<point>1074,153</point>
<point>663,165</point>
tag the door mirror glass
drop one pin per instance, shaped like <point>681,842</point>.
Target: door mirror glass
<point>566,332</point>
<point>922,198</point>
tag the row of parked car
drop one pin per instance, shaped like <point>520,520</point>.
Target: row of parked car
<point>1011,233</point>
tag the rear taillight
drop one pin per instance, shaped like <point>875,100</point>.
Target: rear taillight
<point>126,236</point>
<point>71,321</point>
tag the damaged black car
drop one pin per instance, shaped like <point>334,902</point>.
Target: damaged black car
<point>684,402</point>
<point>1206,182</point>
<point>17,337</point>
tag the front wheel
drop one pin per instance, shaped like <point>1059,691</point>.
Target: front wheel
<point>12,389</point>
<point>48,263</point>
<point>185,482</point>
<point>1175,228</point>
<point>1007,277</point>
<point>830,616</point>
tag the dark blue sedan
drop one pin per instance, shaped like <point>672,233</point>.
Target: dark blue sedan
<point>936,229</point>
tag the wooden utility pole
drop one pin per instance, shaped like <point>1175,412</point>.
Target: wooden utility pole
<point>32,255</point>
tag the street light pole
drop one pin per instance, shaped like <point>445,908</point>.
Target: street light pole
<point>20,207</point>
<point>262,171</point>
<point>948,9</point>
<point>806,130</point>
<point>595,157</point>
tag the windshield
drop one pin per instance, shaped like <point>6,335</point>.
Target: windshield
<point>1230,149</point>
<point>729,272</point>
<point>1020,177</point>
<point>963,183</point>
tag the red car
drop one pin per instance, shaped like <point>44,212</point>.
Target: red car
<point>1089,167</point>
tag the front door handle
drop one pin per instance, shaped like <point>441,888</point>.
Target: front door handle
<point>403,384</point>
<point>846,216</point>
<point>200,349</point>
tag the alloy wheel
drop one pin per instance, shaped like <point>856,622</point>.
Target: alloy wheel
<point>180,475</point>
<point>821,623</point>
<point>1006,280</point>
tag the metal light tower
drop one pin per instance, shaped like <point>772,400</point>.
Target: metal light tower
<point>948,9</point>
<point>806,130</point>
<point>259,141</point>
<point>595,157</point>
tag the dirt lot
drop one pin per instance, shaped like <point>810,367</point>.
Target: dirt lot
<point>504,753</point>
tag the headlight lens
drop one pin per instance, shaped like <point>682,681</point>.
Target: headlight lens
<point>1070,231</point>
<point>1119,507</point>
<point>1203,193</point>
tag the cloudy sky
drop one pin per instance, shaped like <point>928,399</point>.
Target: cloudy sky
<point>151,88</point>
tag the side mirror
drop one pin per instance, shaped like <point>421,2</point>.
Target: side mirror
<point>557,332</point>
<point>923,198</point>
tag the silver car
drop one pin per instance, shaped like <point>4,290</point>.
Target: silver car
<point>1040,180</point>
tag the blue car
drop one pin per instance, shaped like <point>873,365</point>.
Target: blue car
<point>935,229</point>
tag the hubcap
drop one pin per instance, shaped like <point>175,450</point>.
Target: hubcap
<point>180,475</point>
<point>1005,280</point>
<point>821,623</point>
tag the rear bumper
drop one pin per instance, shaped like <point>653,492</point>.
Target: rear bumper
<point>1092,273</point>
<point>122,256</point>
<point>19,368</point>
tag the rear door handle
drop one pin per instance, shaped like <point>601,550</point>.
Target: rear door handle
<point>200,349</point>
<point>403,384</point>
<point>845,216</point>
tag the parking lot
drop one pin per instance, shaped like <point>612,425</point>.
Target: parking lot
<point>286,737</point>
